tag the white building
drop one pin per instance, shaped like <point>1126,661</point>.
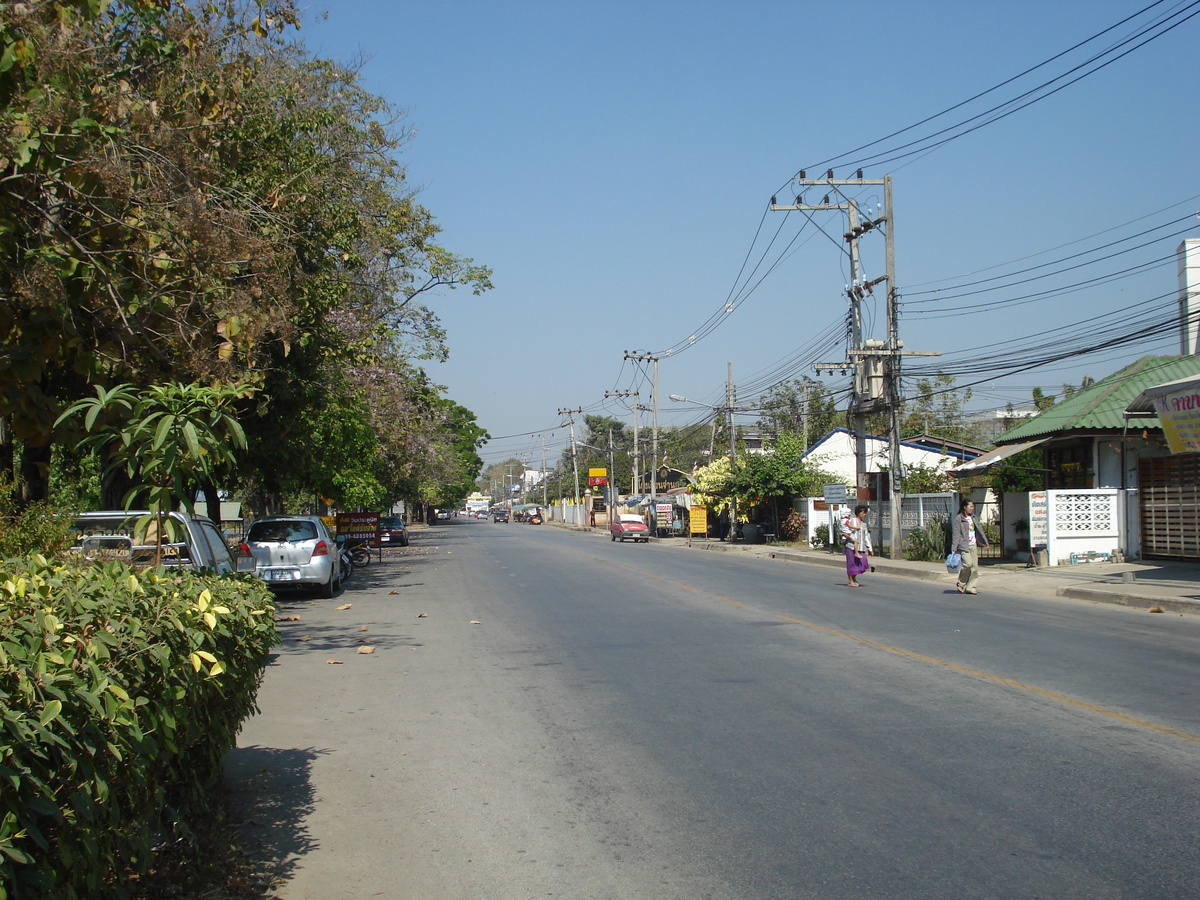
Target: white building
<point>835,454</point>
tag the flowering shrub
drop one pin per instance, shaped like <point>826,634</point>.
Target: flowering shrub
<point>120,693</point>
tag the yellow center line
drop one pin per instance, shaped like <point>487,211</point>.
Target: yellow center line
<point>967,670</point>
<point>1007,682</point>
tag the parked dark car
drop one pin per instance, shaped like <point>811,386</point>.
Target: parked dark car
<point>392,531</point>
<point>500,515</point>
<point>190,542</point>
<point>294,552</point>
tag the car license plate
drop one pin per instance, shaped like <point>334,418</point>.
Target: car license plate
<point>384,538</point>
<point>280,574</point>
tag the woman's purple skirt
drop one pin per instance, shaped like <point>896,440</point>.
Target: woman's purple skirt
<point>856,564</point>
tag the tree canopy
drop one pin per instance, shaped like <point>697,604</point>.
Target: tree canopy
<point>188,196</point>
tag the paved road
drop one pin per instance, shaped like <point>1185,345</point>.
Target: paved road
<point>644,721</point>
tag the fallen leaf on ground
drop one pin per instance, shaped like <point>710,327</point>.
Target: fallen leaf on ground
<point>333,662</point>
<point>287,618</point>
<point>344,606</point>
<point>392,592</point>
<point>473,622</point>
<point>422,615</point>
<point>365,650</point>
<point>307,637</point>
<point>1156,609</point>
<point>362,628</point>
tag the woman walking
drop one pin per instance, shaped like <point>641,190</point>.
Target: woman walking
<point>968,537</point>
<point>857,539</point>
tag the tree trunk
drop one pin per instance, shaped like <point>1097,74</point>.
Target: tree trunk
<point>34,482</point>
<point>212,500</point>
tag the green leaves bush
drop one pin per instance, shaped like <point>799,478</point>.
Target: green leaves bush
<point>930,542</point>
<point>120,693</point>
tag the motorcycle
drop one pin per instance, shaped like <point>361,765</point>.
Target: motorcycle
<point>534,519</point>
<point>345,557</point>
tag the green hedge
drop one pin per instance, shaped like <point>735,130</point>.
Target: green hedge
<point>121,691</point>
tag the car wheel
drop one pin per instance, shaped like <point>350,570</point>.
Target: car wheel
<point>325,591</point>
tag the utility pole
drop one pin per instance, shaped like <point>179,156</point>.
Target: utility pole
<point>571,413</point>
<point>654,443</point>
<point>876,364</point>
<point>729,398</point>
<point>545,502</point>
<point>634,394</point>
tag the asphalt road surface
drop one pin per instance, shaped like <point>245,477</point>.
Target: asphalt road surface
<point>545,713</point>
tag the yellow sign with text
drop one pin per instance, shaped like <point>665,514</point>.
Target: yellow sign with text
<point>698,517</point>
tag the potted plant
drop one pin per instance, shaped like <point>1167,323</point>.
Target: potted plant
<point>1021,530</point>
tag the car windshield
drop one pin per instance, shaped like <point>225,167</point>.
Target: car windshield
<point>271,532</point>
<point>391,522</point>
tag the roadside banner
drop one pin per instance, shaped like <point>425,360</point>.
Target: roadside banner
<point>662,515</point>
<point>698,517</point>
<point>359,526</point>
<point>1180,417</point>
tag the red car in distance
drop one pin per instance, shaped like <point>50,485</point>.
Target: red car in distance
<point>628,527</point>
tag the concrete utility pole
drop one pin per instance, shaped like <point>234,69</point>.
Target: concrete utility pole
<point>875,364</point>
<point>654,442</point>
<point>574,456</point>
<point>545,502</point>
<point>634,394</point>
<point>729,398</point>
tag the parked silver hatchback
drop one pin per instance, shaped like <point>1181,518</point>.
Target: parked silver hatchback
<point>294,552</point>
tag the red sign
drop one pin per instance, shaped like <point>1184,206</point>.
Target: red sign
<point>359,526</point>
<point>594,480</point>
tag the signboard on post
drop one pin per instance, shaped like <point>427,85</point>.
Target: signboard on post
<point>359,526</point>
<point>698,521</point>
<point>835,494</point>
<point>597,476</point>
<point>662,515</point>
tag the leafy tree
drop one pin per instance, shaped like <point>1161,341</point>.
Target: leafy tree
<point>801,406</point>
<point>1020,472</point>
<point>185,197</point>
<point>119,259</point>
<point>765,479</point>
<point>938,409</point>
<point>920,478</point>
<point>169,437</point>
<point>1041,400</point>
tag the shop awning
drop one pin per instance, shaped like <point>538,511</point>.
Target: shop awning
<point>992,457</point>
<point>1177,405</point>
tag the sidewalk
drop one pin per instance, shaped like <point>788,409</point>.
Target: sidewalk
<point>1168,586</point>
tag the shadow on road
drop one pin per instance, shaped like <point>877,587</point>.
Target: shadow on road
<point>270,795</point>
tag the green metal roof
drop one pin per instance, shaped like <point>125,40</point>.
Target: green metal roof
<point>1102,406</point>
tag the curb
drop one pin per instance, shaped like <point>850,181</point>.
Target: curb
<point>1135,601</point>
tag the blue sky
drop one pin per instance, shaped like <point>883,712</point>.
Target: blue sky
<point>612,163</point>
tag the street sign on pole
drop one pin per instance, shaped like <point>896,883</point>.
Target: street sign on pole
<point>835,493</point>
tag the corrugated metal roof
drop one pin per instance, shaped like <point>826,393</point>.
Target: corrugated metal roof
<point>1102,406</point>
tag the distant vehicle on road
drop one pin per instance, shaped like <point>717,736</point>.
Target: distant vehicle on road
<point>629,527</point>
<point>392,531</point>
<point>500,515</point>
